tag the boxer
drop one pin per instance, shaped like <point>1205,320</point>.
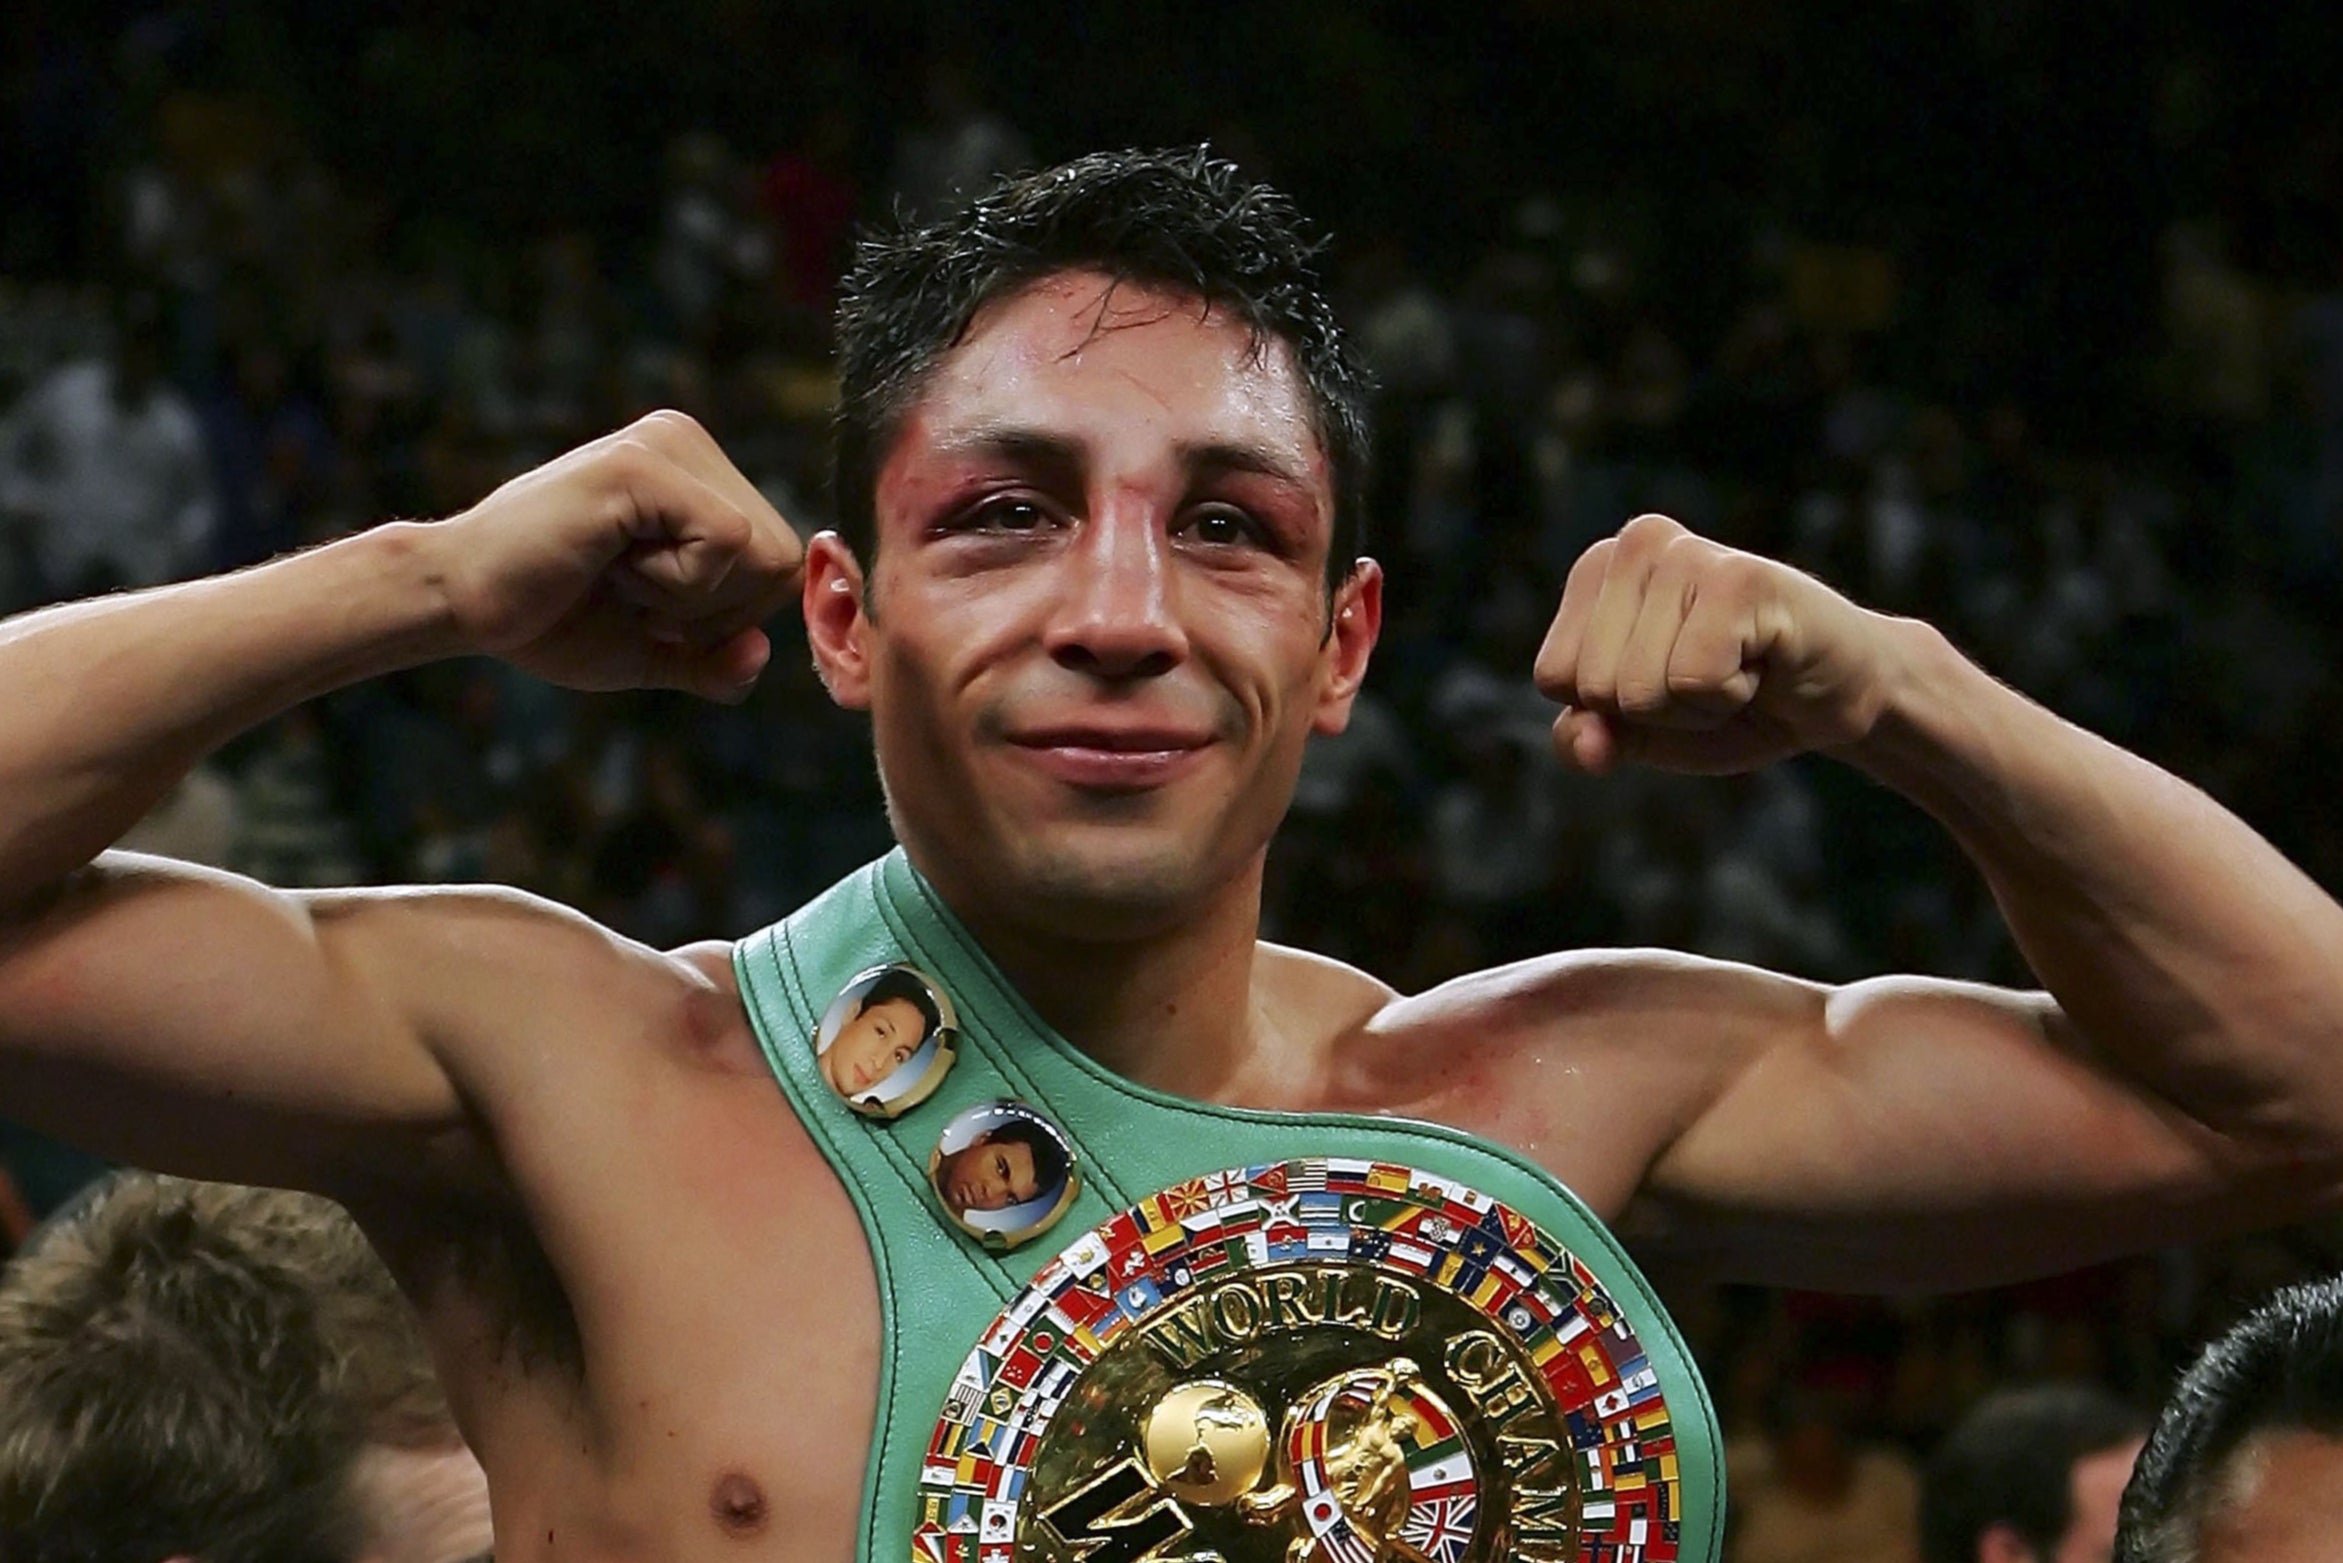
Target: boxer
<point>1101,449</point>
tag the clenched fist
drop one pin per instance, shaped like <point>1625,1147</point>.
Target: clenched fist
<point>644,559</point>
<point>1691,656</point>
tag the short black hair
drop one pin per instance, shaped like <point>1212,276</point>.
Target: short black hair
<point>1049,1157</point>
<point>2010,1461</point>
<point>1181,220</point>
<point>895,983</point>
<point>2279,1367</point>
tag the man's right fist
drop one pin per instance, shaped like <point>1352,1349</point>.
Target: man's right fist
<point>641,560</point>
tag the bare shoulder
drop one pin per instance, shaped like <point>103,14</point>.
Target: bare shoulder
<point>1324,998</point>
<point>1591,1061</point>
<point>1589,997</point>
<point>1595,995</point>
<point>495,976</point>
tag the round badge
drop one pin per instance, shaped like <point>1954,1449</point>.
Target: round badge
<point>886,1042</point>
<point>1317,1361</point>
<point>1003,1173</point>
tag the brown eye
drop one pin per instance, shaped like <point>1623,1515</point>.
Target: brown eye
<point>1011,515</point>
<point>1221,527</point>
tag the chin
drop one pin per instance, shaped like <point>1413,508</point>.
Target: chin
<point>1089,888</point>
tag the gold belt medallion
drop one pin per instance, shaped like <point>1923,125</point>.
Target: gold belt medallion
<point>1314,1361</point>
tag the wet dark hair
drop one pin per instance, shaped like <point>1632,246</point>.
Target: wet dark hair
<point>892,985</point>
<point>2280,1367</point>
<point>1182,220</point>
<point>1049,1157</point>
<point>2011,1461</point>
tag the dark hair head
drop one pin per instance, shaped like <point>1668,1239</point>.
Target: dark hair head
<point>894,984</point>
<point>2280,1367</point>
<point>2011,1461</point>
<point>1049,1157</point>
<point>1180,220</point>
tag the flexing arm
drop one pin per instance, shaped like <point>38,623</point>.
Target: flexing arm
<point>197,1021</point>
<point>2184,1071</point>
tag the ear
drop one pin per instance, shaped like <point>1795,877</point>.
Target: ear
<point>2000,1543</point>
<point>835,625</point>
<point>1350,638</point>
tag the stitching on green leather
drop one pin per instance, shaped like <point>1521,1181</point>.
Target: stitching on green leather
<point>1596,1230</point>
<point>1007,996</point>
<point>888,1453</point>
<point>865,1210</point>
<point>989,1049</point>
<point>898,1160</point>
<point>907,1162</point>
<point>1593,1236</point>
<point>997,1052</point>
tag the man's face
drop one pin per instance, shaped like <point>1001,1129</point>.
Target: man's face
<point>2281,1501</point>
<point>1098,630</point>
<point>873,1045</point>
<point>988,1175</point>
<point>2095,1491</point>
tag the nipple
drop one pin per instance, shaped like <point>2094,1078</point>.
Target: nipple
<point>739,1505</point>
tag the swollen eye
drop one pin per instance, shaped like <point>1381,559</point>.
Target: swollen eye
<point>1014,516</point>
<point>1219,526</point>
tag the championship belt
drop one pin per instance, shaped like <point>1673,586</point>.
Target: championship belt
<point>1122,1327</point>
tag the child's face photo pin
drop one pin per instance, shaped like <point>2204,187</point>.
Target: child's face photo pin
<point>887,1041</point>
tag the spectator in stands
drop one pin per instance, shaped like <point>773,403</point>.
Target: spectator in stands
<point>2030,1476</point>
<point>193,1370</point>
<point>103,465</point>
<point>960,145</point>
<point>2246,1458</point>
<point>1823,1496</point>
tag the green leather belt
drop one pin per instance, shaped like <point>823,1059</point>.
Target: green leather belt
<point>1277,1335</point>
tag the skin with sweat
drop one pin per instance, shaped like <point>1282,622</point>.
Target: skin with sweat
<point>1094,639</point>
<point>2279,1500</point>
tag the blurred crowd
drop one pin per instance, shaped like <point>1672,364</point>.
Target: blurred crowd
<point>218,343</point>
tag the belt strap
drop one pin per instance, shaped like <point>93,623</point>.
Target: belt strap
<point>940,1289</point>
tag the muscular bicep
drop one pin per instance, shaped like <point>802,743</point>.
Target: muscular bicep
<point>1909,1133</point>
<point>195,1021</point>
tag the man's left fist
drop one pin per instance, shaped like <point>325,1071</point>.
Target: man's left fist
<point>1687,655</point>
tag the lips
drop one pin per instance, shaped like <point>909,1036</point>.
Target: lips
<point>1112,758</point>
<point>1116,739</point>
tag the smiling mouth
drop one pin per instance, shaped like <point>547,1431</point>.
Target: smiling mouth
<point>1112,760</point>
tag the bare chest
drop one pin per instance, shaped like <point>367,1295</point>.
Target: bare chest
<point>709,1386</point>
<point>725,1316</point>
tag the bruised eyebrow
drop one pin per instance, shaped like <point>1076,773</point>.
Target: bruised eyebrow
<point>1059,455</point>
<point>1243,456</point>
<point>1053,454</point>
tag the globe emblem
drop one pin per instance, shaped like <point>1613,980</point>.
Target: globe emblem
<point>1206,1441</point>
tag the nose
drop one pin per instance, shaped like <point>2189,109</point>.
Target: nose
<point>1117,613</point>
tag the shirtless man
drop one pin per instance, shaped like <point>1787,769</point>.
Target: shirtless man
<point>1103,592</point>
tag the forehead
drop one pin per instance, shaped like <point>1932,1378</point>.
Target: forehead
<point>2280,1500</point>
<point>1127,371</point>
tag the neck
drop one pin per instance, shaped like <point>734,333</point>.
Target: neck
<point>1171,1008</point>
